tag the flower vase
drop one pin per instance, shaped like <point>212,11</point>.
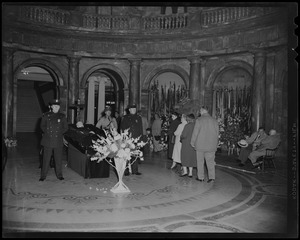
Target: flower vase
<point>120,187</point>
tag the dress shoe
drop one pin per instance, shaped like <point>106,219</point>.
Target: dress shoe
<point>241,164</point>
<point>126,174</point>
<point>183,175</point>
<point>238,160</point>
<point>211,180</point>
<point>200,180</point>
<point>41,179</point>
<point>137,173</point>
<point>61,178</point>
<point>190,176</point>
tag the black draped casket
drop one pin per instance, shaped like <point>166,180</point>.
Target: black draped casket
<point>80,150</point>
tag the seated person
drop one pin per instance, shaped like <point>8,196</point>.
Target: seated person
<point>270,142</point>
<point>250,144</point>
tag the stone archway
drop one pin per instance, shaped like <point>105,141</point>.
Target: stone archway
<point>53,71</point>
<point>147,84</point>
<point>229,65</point>
<point>87,84</point>
<point>166,68</point>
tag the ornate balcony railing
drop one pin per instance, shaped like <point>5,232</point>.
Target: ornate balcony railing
<point>231,14</point>
<point>166,22</point>
<point>138,23</point>
<point>105,22</point>
<point>44,15</point>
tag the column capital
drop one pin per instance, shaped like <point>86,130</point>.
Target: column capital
<point>135,61</point>
<point>74,58</point>
<point>194,59</point>
<point>258,52</point>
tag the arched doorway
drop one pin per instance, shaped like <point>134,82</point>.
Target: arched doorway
<point>166,90</point>
<point>35,89</point>
<point>103,87</point>
<point>231,104</point>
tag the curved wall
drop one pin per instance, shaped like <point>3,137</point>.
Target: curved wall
<point>218,40</point>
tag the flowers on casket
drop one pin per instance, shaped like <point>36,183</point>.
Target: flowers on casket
<point>117,145</point>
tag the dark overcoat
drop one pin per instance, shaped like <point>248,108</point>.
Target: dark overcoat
<point>54,125</point>
<point>133,122</point>
<point>188,153</point>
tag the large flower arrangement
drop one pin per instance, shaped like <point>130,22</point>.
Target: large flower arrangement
<point>121,147</point>
<point>117,145</point>
<point>230,131</point>
<point>10,142</point>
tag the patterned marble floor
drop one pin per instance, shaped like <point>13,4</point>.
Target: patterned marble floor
<point>160,200</point>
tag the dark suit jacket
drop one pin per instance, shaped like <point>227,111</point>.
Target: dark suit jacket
<point>270,142</point>
<point>54,125</point>
<point>133,122</point>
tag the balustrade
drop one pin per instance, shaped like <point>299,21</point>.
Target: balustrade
<point>44,15</point>
<point>166,22</point>
<point>227,15</point>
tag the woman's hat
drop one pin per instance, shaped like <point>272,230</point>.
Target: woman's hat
<point>243,143</point>
<point>108,108</point>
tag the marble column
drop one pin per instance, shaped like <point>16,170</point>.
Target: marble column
<point>91,101</point>
<point>101,95</point>
<point>73,85</point>
<point>134,84</point>
<point>8,108</point>
<point>270,90</point>
<point>194,78</point>
<point>202,79</point>
<point>258,91</point>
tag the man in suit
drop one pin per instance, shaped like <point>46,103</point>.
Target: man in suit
<point>205,138</point>
<point>270,142</point>
<point>253,141</point>
<point>54,124</point>
<point>133,122</point>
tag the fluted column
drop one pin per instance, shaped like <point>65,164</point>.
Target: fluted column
<point>91,101</point>
<point>73,84</point>
<point>258,90</point>
<point>101,95</point>
<point>134,84</point>
<point>194,78</point>
<point>7,93</point>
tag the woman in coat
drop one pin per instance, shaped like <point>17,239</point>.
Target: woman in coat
<point>188,153</point>
<point>176,156</point>
<point>175,121</point>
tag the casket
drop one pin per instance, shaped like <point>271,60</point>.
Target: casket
<point>79,142</point>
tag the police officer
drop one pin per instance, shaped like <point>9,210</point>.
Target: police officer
<point>133,122</point>
<point>54,124</point>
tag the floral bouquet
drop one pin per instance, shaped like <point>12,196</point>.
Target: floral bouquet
<point>10,142</point>
<point>122,147</point>
<point>119,145</point>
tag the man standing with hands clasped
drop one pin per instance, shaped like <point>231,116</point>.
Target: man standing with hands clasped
<point>54,124</point>
<point>205,139</point>
<point>133,122</point>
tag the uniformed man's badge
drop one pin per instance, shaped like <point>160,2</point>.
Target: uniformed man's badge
<point>58,120</point>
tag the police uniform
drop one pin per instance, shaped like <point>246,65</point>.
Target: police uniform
<point>133,122</point>
<point>54,125</point>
